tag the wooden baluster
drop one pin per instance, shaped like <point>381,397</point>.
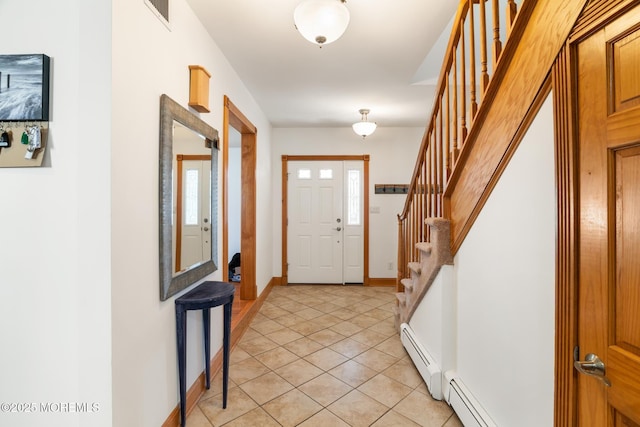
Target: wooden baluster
<point>424,199</point>
<point>441,143</point>
<point>439,175</point>
<point>434,184</point>
<point>444,173</point>
<point>419,235</point>
<point>484,73</point>
<point>425,185</point>
<point>419,214</point>
<point>407,241</point>
<point>472,62</point>
<point>427,181</point>
<point>414,229</point>
<point>405,254</point>
<point>431,180</point>
<point>437,183</point>
<point>463,87</point>
<point>410,232</point>
<point>497,44</point>
<point>405,234</point>
<point>434,176</point>
<point>417,239</point>
<point>421,200</point>
<point>405,257</point>
<point>434,173</point>
<point>418,204</point>
<point>454,108</point>
<point>406,245</point>
<point>512,11</point>
<point>410,225</point>
<point>436,150</point>
<point>450,159</point>
<point>416,222</point>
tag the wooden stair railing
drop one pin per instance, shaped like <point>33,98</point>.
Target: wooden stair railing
<point>464,78</point>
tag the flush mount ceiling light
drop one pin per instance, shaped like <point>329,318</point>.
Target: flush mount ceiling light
<point>321,21</point>
<point>364,127</point>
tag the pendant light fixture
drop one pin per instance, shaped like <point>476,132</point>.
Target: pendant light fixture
<point>321,21</point>
<point>364,127</point>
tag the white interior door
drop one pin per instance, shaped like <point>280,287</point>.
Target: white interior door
<point>323,245</point>
<point>196,217</point>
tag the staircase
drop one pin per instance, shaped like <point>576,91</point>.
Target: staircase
<point>447,181</point>
<point>433,255</point>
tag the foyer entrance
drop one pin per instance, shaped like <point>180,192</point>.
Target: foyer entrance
<point>325,219</point>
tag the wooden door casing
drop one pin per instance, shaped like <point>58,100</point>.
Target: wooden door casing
<point>234,118</point>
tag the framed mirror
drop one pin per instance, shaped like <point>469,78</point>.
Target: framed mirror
<point>188,198</point>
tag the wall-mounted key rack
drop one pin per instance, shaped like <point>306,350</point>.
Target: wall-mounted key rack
<point>22,144</point>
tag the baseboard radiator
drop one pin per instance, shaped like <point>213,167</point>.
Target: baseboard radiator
<point>426,365</point>
<point>466,406</point>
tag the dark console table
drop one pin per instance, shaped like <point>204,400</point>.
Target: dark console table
<point>203,297</point>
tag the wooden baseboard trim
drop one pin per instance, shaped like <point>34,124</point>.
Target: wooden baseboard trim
<point>238,329</point>
<point>373,281</point>
<point>241,327</point>
<point>194,393</point>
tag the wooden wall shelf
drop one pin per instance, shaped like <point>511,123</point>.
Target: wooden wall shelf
<point>199,88</point>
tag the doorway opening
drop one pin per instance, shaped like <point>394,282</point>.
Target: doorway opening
<point>235,121</point>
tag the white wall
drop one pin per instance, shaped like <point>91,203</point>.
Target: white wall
<point>505,278</point>
<point>55,224</point>
<point>235,198</point>
<point>149,60</point>
<point>434,321</point>
<point>79,252</point>
<point>393,153</point>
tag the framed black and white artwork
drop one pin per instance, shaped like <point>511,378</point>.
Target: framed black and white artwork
<point>24,87</point>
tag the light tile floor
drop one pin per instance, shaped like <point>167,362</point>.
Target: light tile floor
<point>319,355</point>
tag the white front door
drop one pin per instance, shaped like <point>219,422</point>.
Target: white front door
<point>325,222</point>
<point>196,213</point>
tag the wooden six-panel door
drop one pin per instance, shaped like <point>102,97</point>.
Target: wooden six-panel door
<point>608,98</point>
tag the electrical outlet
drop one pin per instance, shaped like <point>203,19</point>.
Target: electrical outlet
<point>390,265</point>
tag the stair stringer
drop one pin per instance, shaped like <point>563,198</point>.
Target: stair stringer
<point>434,255</point>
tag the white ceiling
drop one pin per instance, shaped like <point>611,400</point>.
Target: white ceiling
<point>380,63</point>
